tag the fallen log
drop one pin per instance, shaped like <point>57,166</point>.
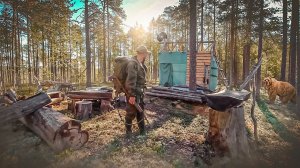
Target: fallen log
<point>177,97</point>
<point>23,108</point>
<point>59,131</point>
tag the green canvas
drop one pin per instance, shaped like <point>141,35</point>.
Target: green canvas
<point>172,68</point>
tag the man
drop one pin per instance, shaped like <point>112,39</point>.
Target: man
<point>135,84</point>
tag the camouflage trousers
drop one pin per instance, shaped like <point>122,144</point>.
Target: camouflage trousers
<point>132,113</point>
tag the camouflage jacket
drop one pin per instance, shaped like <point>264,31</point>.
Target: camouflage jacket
<point>136,77</point>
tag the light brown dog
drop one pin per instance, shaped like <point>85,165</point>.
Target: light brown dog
<point>284,90</point>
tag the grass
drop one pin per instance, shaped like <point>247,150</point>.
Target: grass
<point>278,127</point>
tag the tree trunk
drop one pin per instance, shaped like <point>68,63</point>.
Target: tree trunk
<point>104,43</point>
<point>28,52</point>
<point>260,45</point>
<point>88,46</point>
<point>232,32</point>
<point>298,68</point>
<point>293,38</point>
<point>284,42</point>
<point>227,132</point>
<point>108,41</point>
<point>247,47</point>
<point>193,49</point>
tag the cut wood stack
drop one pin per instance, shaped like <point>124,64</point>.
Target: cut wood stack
<point>177,94</point>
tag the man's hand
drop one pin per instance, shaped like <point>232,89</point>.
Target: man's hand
<point>132,100</point>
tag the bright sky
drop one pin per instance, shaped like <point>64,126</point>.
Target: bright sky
<point>137,11</point>
<point>142,11</point>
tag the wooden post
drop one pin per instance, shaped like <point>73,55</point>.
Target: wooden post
<point>83,110</point>
<point>227,132</point>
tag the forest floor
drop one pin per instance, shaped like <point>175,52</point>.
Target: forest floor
<point>175,138</point>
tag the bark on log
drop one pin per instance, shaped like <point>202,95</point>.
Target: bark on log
<point>23,108</point>
<point>83,110</point>
<point>177,97</point>
<point>107,96</point>
<point>59,131</point>
<point>188,95</point>
<point>181,90</point>
<point>227,132</point>
<point>90,95</point>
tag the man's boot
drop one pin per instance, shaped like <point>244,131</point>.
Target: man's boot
<point>141,125</point>
<point>128,124</point>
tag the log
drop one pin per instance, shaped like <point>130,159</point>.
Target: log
<point>83,110</point>
<point>59,131</point>
<point>183,89</point>
<point>23,108</point>
<point>179,93</point>
<point>227,132</point>
<point>90,95</point>
<point>175,97</point>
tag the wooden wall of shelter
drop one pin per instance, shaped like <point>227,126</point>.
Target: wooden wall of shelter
<point>203,60</point>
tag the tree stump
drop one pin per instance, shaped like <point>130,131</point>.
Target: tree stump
<point>83,110</point>
<point>227,132</point>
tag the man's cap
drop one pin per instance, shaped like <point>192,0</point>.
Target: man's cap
<point>142,49</point>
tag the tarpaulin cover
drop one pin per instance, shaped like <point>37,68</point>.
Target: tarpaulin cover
<point>172,68</point>
<point>226,99</point>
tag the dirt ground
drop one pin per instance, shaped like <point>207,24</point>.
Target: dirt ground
<point>175,138</point>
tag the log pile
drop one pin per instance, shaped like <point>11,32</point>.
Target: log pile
<point>177,94</point>
<point>59,131</point>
